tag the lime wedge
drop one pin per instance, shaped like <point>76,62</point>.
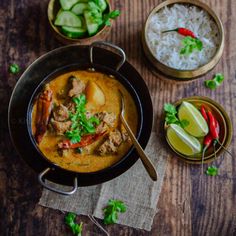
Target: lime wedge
<point>182,142</point>
<point>197,125</point>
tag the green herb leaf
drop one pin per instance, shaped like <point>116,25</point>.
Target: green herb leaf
<point>111,211</point>
<point>212,171</point>
<point>70,221</point>
<point>171,116</point>
<point>169,108</point>
<point>215,82</point>
<point>81,125</point>
<point>14,68</point>
<point>219,78</point>
<point>111,15</point>
<point>211,84</point>
<point>190,44</point>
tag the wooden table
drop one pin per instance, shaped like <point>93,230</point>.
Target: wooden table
<point>187,207</point>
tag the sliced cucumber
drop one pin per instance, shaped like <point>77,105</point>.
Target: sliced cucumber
<point>67,4</point>
<point>67,18</point>
<point>91,23</point>
<point>102,4</point>
<point>79,8</point>
<point>74,32</point>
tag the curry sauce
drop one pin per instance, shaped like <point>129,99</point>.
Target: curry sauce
<point>89,159</point>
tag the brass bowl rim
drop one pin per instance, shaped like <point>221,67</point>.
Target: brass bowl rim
<point>184,73</point>
<point>79,40</point>
<point>227,125</point>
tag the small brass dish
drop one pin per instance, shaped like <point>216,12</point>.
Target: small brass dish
<point>225,135</point>
<point>176,74</point>
<point>54,7</point>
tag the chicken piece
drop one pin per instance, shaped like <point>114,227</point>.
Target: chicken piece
<point>60,127</point>
<point>70,106</point>
<point>108,118</point>
<point>125,136</point>
<point>102,127</point>
<point>107,148</point>
<point>112,144</point>
<point>61,113</point>
<point>77,87</point>
<point>115,137</point>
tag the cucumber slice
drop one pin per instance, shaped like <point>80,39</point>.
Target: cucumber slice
<point>102,5</point>
<point>73,32</point>
<point>91,23</point>
<point>67,18</point>
<point>67,4</point>
<point>79,8</point>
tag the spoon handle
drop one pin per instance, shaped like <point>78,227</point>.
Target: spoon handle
<point>145,160</point>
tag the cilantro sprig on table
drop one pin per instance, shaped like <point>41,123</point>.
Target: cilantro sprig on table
<point>212,171</point>
<point>81,125</point>
<point>171,116</point>
<point>75,228</point>
<point>190,44</point>
<point>112,210</point>
<point>215,82</point>
<point>14,68</point>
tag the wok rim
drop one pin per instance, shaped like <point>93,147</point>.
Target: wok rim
<point>145,134</point>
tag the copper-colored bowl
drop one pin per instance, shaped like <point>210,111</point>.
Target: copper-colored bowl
<point>183,75</point>
<point>54,7</point>
<point>225,135</point>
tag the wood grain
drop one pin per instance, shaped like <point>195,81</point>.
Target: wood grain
<point>188,204</point>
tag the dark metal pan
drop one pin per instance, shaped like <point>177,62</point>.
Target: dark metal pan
<point>46,68</point>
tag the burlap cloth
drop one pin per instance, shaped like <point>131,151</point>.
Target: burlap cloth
<point>134,187</point>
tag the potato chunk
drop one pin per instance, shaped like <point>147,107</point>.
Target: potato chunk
<point>94,95</point>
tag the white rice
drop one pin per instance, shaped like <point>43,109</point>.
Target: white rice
<point>166,46</point>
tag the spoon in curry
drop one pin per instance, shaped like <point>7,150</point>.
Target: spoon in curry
<point>145,160</point>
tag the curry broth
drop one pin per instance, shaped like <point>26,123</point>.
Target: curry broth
<point>86,162</point>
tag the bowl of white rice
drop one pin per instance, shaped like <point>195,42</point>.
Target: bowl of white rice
<point>183,39</point>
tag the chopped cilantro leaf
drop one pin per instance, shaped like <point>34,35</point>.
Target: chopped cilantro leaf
<point>212,171</point>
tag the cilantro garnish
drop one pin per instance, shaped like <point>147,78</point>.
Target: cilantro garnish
<point>70,221</point>
<point>190,44</point>
<point>215,82</point>
<point>110,15</point>
<point>81,125</point>
<point>14,68</point>
<point>111,211</point>
<point>171,116</point>
<point>96,14</point>
<point>212,171</point>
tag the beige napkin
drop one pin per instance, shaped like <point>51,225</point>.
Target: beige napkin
<point>134,187</point>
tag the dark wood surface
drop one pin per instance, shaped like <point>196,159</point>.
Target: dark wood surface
<point>187,205</point>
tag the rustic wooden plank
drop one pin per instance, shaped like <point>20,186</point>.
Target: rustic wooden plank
<point>188,205</point>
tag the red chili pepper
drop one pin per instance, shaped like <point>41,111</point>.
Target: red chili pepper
<point>213,126</point>
<point>182,31</point>
<point>208,140</point>
<point>204,114</point>
<point>85,141</point>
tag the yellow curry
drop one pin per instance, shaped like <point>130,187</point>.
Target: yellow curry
<point>76,124</point>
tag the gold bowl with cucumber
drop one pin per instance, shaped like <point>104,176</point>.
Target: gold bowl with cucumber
<point>80,21</point>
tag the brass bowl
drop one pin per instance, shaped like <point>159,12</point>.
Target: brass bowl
<point>53,8</point>
<point>183,75</point>
<point>226,130</point>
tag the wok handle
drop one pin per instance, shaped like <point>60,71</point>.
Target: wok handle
<point>103,43</point>
<point>40,179</point>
